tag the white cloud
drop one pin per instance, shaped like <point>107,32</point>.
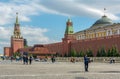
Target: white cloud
<point>88,8</point>
<point>27,8</point>
<point>34,35</point>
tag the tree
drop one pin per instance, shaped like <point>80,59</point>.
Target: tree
<point>73,53</point>
<point>114,52</point>
<point>109,53</point>
<point>101,52</point>
<point>81,54</point>
<point>98,53</point>
<point>89,53</point>
<point>16,54</point>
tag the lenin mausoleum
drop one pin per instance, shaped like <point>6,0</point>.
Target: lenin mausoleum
<point>103,33</point>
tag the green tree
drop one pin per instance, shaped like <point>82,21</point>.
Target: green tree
<point>81,54</point>
<point>98,53</point>
<point>16,54</point>
<point>114,52</point>
<point>78,54</point>
<point>109,53</point>
<point>89,53</point>
<point>101,52</point>
<point>73,53</point>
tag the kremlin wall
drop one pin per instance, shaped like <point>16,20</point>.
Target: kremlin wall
<point>103,33</point>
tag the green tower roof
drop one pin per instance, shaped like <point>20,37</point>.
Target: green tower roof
<point>69,27</point>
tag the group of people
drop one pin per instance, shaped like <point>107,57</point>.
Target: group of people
<point>27,59</point>
<point>112,60</point>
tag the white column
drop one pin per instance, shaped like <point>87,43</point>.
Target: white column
<point>107,32</point>
<point>111,32</point>
<point>118,31</point>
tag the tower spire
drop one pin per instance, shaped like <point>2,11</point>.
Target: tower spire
<point>17,33</point>
<point>104,11</point>
<point>16,18</point>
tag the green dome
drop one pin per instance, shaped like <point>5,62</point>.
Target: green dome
<point>103,22</point>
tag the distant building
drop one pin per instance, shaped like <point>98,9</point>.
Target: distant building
<point>101,28</point>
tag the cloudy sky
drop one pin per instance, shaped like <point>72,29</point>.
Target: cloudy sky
<point>44,21</point>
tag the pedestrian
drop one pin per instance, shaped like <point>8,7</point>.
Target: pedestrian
<point>86,62</point>
<point>30,60</point>
<point>53,59</point>
<point>111,61</point>
<point>72,60</point>
<point>26,59</point>
<point>24,56</point>
<point>11,58</point>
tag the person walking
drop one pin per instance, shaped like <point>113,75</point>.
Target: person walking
<point>30,60</point>
<point>53,59</point>
<point>86,63</point>
<point>26,59</point>
<point>11,58</point>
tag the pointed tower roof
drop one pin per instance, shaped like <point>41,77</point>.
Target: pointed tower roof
<point>69,27</point>
<point>17,22</point>
<point>17,33</point>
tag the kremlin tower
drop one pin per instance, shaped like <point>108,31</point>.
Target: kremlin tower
<point>68,37</point>
<point>17,40</point>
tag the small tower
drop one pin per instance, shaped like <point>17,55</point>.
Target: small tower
<point>17,40</point>
<point>68,37</point>
<point>69,32</point>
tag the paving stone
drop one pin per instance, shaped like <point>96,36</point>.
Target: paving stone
<point>58,70</point>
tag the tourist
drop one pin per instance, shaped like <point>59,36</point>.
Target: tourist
<point>72,60</point>
<point>24,59</point>
<point>11,58</point>
<point>30,60</point>
<point>113,60</point>
<point>53,59</point>
<point>86,62</point>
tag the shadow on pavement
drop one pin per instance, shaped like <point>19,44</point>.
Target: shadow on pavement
<point>109,72</point>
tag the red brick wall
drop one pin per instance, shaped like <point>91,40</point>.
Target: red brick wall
<point>55,47</point>
<point>79,45</point>
<point>7,51</point>
<point>96,43</point>
<point>17,44</point>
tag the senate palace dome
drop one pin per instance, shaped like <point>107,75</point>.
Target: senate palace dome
<point>103,21</point>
